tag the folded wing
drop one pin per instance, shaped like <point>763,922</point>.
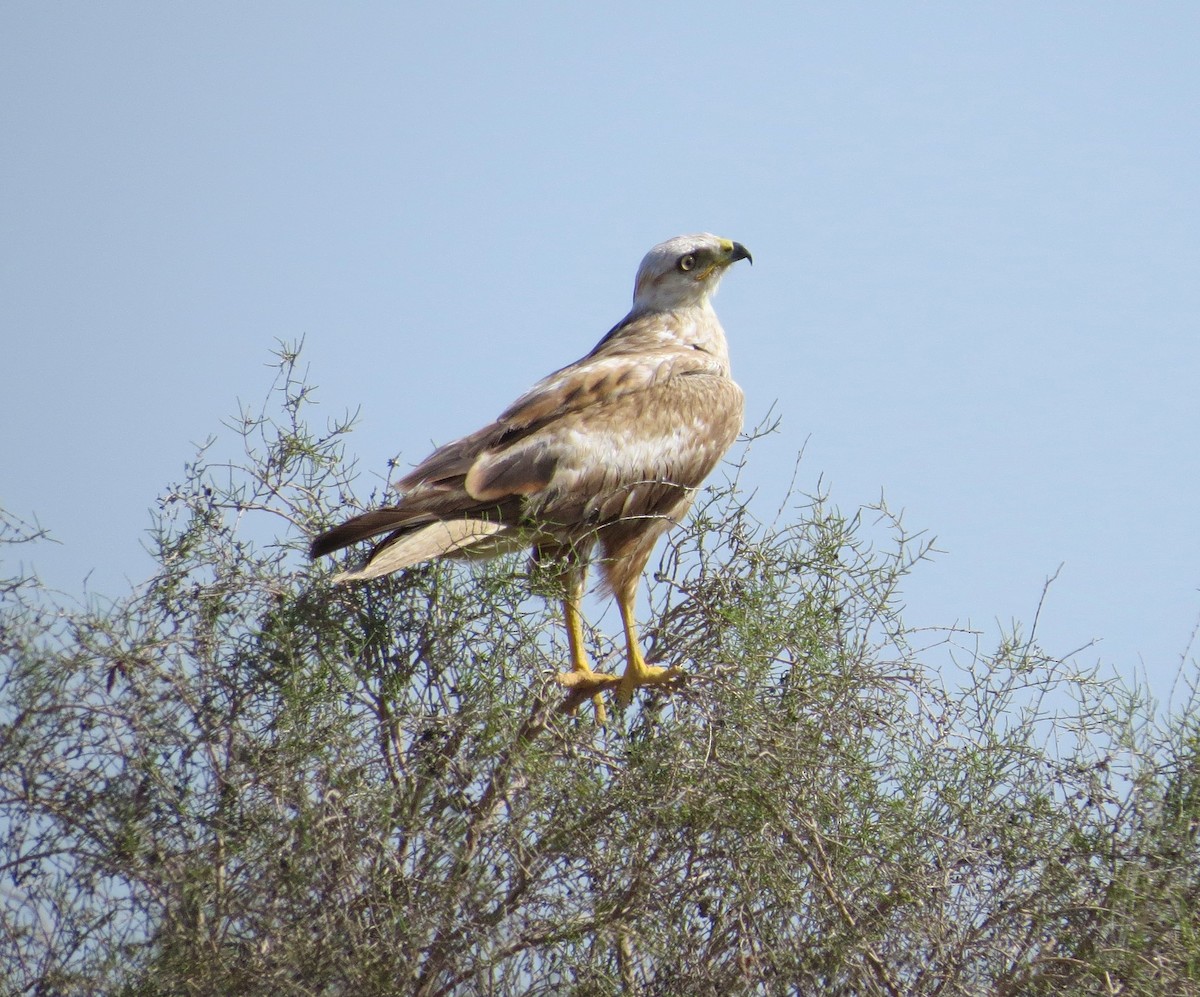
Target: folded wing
<point>616,437</point>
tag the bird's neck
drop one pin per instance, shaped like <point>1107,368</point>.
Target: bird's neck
<point>694,327</point>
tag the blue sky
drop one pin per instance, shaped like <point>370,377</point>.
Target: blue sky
<point>974,228</point>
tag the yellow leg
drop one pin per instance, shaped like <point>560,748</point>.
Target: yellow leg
<point>581,679</point>
<point>637,672</point>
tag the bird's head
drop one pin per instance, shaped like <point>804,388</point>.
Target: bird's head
<point>682,272</point>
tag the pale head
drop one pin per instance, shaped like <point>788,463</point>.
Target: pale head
<point>683,272</point>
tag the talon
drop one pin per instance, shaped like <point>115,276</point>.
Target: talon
<point>583,684</point>
<point>641,674</point>
<point>589,681</point>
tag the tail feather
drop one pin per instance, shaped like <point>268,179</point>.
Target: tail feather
<point>438,523</point>
<point>440,538</point>
<point>369,524</point>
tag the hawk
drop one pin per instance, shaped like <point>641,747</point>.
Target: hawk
<point>605,453</point>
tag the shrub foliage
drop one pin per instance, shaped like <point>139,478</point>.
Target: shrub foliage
<point>239,779</point>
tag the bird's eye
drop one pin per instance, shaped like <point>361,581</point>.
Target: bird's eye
<point>687,262</point>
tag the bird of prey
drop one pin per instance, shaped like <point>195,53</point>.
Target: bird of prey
<point>605,453</point>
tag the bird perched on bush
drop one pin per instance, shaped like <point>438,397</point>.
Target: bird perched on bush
<point>605,453</point>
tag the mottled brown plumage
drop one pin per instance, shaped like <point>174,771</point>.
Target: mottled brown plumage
<point>606,453</point>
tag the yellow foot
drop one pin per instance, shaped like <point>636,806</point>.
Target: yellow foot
<point>583,683</point>
<point>639,674</point>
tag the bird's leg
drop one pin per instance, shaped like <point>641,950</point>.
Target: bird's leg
<point>581,680</point>
<point>637,672</point>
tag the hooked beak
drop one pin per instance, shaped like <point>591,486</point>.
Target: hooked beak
<point>737,252</point>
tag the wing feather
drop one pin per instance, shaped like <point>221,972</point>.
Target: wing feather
<point>632,455</point>
<point>524,469</point>
<point>598,381</point>
<point>509,457</point>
